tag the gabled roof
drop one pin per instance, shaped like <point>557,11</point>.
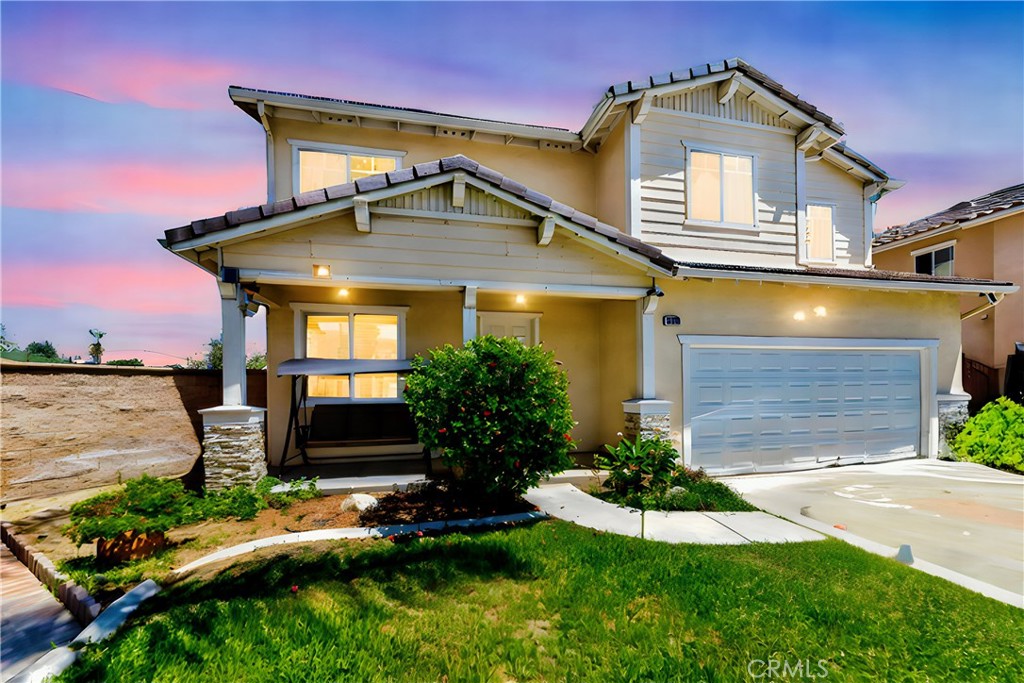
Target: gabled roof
<point>759,77</point>
<point>540,202</point>
<point>985,208</point>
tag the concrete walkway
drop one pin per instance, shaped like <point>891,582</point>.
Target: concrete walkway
<point>567,502</point>
<point>32,619</point>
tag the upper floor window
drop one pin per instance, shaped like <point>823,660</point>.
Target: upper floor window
<point>934,260</point>
<point>316,165</point>
<point>721,188</point>
<point>820,236</point>
<point>352,333</point>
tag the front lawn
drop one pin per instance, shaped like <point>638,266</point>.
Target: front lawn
<point>558,602</point>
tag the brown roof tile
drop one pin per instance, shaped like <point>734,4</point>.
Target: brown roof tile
<point>424,170</point>
<point>989,204</point>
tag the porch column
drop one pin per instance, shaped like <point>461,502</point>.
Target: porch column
<point>646,416</point>
<point>233,328</point>
<point>468,314</point>
<point>234,444</point>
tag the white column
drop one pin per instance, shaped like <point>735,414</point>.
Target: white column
<point>645,377</point>
<point>233,327</point>
<point>469,314</point>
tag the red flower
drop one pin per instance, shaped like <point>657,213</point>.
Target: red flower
<point>391,538</point>
<point>567,437</point>
<point>518,465</point>
<point>295,589</point>
<point>420,534</point>
<point>492,364</point>
<point>442,430</point>
<point>487,413</point>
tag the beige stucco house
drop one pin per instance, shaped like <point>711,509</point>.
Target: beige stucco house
<point>979,238</point>
<point>698,257</point>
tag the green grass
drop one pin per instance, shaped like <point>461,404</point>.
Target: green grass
<point>555,602</point>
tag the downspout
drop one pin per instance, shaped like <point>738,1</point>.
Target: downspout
<point>993,301</point>
<point>261,110</point>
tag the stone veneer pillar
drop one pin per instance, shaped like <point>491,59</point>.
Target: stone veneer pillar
<point>647,417</point>
<point>952,416</point>
<point>234,447</point>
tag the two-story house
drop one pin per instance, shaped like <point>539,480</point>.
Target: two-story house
<point>697,256</point>
<point>981,237</point>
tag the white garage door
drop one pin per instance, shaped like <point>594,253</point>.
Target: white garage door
<point>770,409</point>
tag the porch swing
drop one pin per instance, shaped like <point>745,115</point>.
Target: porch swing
<point>343,425</point>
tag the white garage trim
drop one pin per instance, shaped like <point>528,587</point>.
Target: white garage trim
<point>927,350</point>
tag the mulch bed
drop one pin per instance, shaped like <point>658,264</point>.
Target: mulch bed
<point>436,501</point>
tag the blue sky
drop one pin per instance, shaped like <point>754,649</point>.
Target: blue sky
<point>116,123</point>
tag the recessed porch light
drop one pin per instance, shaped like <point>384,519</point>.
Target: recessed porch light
<point>342,292</point>
<point>520,298</point>
<point>820,311</point>
<point>799,315</point>
<point>322,272</point>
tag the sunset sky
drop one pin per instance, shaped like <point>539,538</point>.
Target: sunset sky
<point>116,123</point>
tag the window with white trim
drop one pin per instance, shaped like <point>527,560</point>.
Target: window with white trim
<point>721,188</point>
<point>935,261</point>
<point>820,234</point>
<point>318,165</point>
<point>353,333</point>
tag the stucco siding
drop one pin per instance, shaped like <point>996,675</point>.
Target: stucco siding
<point>610,180</point>
<point>664,137</point>
<point>566,176</point>
<point>767,310</point>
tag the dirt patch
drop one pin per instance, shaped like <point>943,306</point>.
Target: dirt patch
<point>436,502</point>
<point>968,509</point>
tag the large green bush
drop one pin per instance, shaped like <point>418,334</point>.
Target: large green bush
<point>995,436</point>
<point>497,410</point>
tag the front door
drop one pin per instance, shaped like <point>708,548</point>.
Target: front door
<point>523,326</point>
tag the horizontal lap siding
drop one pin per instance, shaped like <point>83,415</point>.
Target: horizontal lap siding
<point>705,101</point>
<point>427,248</point>
<point>663,190</point>
<point>827,184</point>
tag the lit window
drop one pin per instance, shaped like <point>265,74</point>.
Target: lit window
<point>721,188</point>
<point>357,336</point>
<point>317,165</point>
<point>820,235</point>
<point>936,262</point>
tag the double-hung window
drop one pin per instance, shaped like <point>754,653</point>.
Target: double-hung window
<point>352,333</point>
<point>316,165</point>
<point>934,260</point>
<point>720,187</point>
<point>820,234</point>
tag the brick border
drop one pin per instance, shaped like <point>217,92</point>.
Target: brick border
<point>75,598</point>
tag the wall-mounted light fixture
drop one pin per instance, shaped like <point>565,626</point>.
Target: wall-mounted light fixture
<point>342,292</point>
<point>820,311</point>
<point>520,299</point>
<point>799,315</point>
<point>321,272</point>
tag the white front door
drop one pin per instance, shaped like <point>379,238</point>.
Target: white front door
<point>522,326</point>
<point>768,409</point>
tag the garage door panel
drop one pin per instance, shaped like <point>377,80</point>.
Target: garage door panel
<point>771,408</point>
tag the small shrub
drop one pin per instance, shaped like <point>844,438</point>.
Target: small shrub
<point>144,505</point>
<point>995,436</point>
<point>300,489</point>
<point>496,409</point>
<point>637,467</point>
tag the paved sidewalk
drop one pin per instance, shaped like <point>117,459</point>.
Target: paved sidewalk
<point>32,619</point>
<point>567,502</point>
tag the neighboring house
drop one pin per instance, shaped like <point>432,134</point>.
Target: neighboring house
<point>980,238</point>
<point>697,256</point>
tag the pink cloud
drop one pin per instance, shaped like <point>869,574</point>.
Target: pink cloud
<point>184,192</point>
<point>153,288</point>
<point>178,82</point>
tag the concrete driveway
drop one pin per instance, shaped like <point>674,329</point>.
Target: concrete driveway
<point>961,516</point>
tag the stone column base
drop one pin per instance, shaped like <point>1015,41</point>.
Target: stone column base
<point>952,416</point>
<point>234,448</point>
<point>647,417</point>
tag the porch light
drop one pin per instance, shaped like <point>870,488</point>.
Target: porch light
<point>799,315</point>
<point>342,292</point>
<point>820,311</point>
<point>322,272</point>
<point>520,299</point>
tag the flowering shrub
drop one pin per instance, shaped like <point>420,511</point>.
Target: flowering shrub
<point>496,409</point>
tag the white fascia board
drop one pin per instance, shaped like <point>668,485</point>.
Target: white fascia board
<point>850,165</point>
<point>855,343</point>
<point>283,277</point>
<point>598,241</point>
<point>315,212</point>
<point>852,283</point>
<point>388,114</point>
